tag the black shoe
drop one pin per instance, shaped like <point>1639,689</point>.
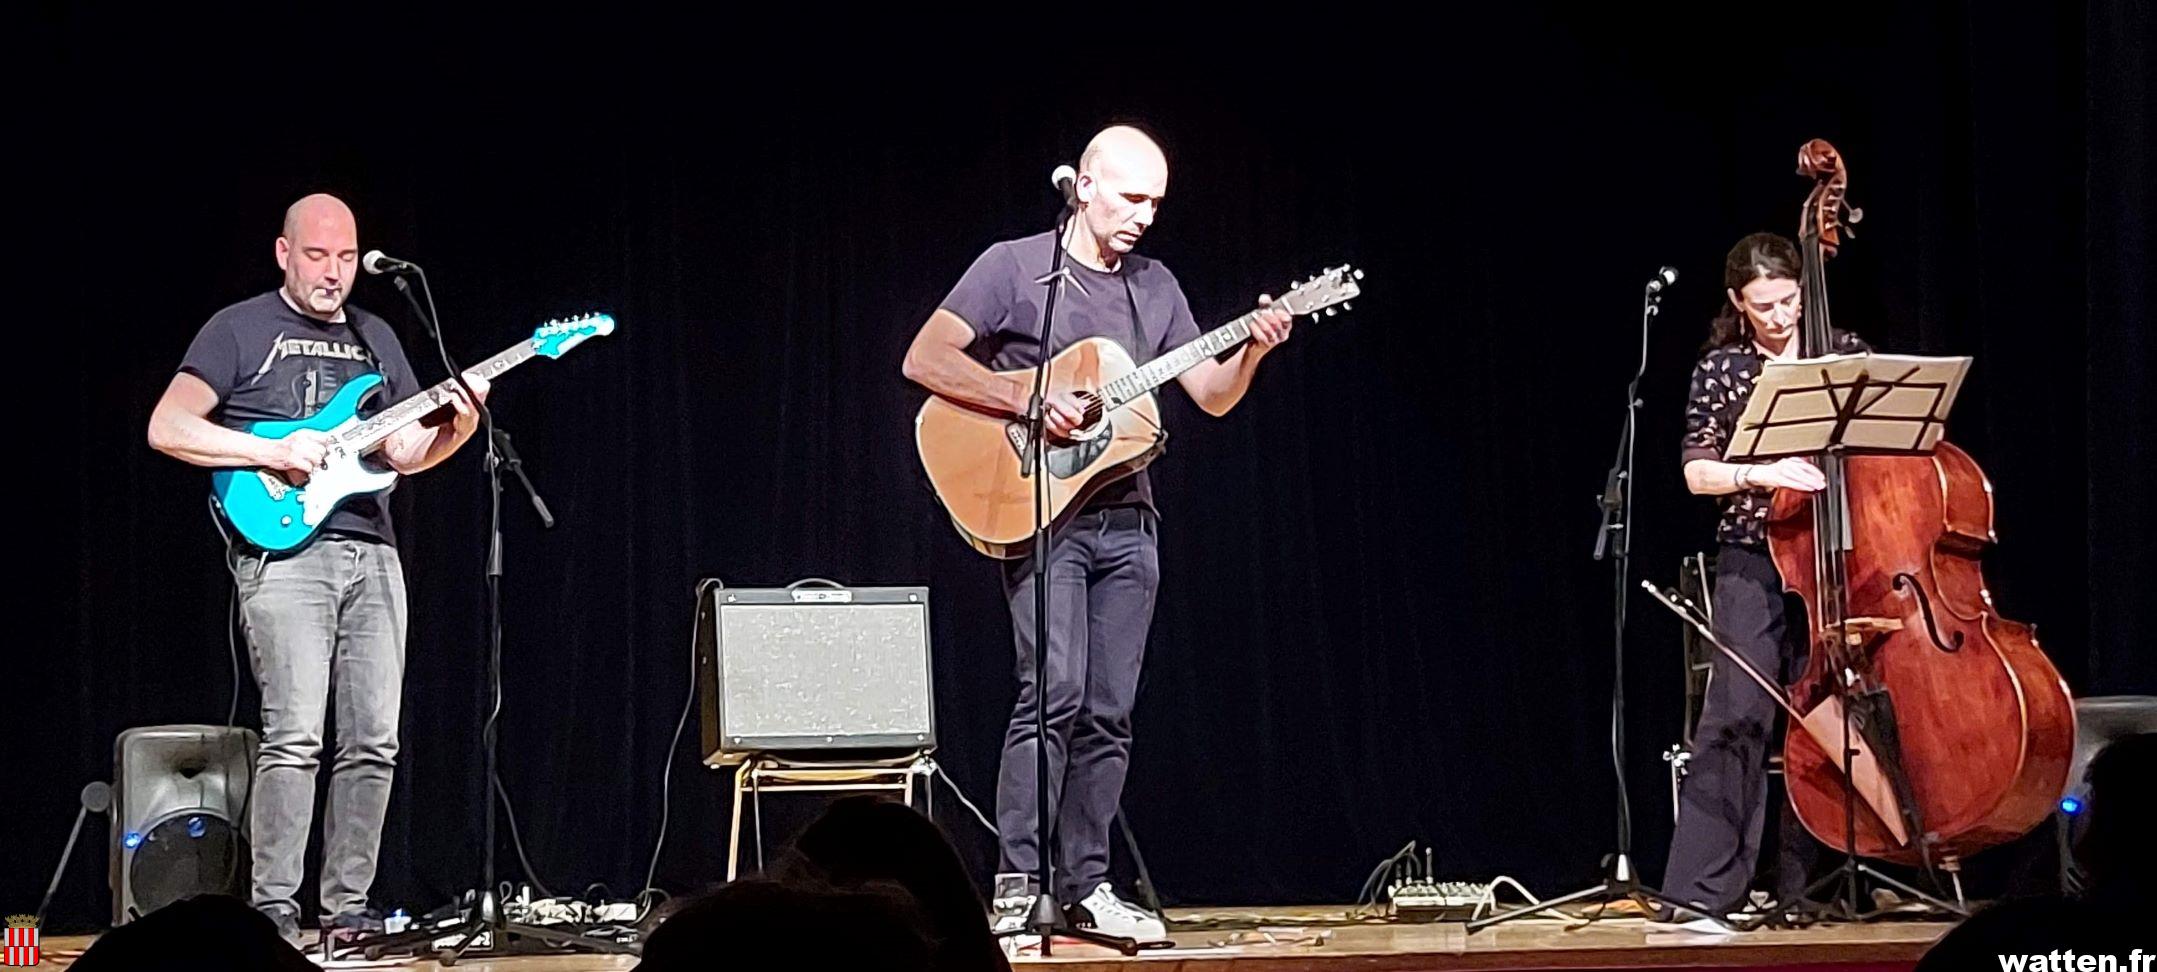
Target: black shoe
<point>348,925</point>
<point>1690,915</point>
<point>288,924</point>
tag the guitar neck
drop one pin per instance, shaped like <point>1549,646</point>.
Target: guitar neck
<point>1157,372</point>
<point>370,433</point>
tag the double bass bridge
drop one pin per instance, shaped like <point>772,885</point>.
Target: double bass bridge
<point>1860,632</point>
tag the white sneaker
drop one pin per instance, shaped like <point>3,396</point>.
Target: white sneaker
<point>1114,916</point>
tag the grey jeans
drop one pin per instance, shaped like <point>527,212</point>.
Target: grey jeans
<point>330,616</point>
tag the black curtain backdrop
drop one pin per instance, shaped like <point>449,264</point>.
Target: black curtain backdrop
<point>1379,619</point>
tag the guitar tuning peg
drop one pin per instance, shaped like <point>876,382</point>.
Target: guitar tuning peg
<point>1359,275</point>
<point>1329,311</point>
<point>1348,306</point>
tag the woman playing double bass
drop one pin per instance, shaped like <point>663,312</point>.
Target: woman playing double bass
<point>1722,806</point>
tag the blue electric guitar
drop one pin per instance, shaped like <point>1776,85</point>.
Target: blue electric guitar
<point>272,513</point>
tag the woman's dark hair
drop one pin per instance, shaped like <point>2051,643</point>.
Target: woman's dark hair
<point>1759,255</point>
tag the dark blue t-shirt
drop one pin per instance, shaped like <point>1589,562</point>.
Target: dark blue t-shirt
<point>270,363</point>
<point>1000,299</point>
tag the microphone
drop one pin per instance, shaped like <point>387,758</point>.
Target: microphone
<point>1663,278</point>
<point>1065,179</point>
<point>378,262</point>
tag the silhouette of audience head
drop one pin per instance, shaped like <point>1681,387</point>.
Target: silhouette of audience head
<point>792,924</point>
<point>2118,848</point>
<point>867,840</point>
<point>210,931</point>
<point>868,878</point>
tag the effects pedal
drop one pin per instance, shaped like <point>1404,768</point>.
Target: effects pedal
<point>1438,901</point>
<point>1421,897</point>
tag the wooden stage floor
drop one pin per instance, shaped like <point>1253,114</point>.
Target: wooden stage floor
<point>1298,943</point>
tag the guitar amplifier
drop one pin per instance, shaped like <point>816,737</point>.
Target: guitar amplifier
<point>824,672</point>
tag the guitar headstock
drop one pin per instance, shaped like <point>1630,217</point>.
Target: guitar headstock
<point>554,338</point>
<point>1319,294</point>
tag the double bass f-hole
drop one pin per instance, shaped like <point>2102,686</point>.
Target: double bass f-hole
<point>1907,581</point>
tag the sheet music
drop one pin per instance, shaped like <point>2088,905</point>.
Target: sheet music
<point>1892,403</point>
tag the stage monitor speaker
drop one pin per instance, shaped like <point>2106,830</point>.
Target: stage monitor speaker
<point>176,826</point>
<point>815,671</point>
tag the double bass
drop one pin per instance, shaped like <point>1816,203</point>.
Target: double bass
<point>1971,726</point>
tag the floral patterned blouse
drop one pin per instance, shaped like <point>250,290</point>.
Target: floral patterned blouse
<point>1722,382</point>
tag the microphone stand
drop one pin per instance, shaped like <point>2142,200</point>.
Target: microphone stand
<point>1047,920</point>
<point>96,798</point>
<point>504,937</point>
<point>1614,542</point>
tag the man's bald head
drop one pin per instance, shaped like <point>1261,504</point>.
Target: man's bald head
<point>1124,148</point>
<point>319,252</point>
<point>320,210</point>
<point>1122,177</point>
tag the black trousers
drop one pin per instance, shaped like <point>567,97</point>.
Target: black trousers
<point>1723,802</point>
<point>1103,572</point>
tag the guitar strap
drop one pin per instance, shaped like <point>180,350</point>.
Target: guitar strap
<point>1139,352</point>
<point>359,335</point>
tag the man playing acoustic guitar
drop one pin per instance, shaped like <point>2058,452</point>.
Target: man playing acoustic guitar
<point>1102,562</point>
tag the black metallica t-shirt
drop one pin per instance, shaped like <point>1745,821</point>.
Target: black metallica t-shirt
<point>268,362</point>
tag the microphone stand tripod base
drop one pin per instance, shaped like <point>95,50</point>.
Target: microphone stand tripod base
<point>1046,920</point>
<point>1620,884</point>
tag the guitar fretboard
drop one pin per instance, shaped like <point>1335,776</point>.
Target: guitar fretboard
<point>1157,372</point>
<point>370,433</point>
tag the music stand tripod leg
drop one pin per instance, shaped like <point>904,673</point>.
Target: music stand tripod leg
<point>1840,906</point>
<point>1612,889</point>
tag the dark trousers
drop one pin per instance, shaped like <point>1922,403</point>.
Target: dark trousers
<point>1723,801</point>
<point>1103,571</point>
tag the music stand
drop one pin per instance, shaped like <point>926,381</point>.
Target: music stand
<point>1876,404</point>
<point>1832,407</point>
